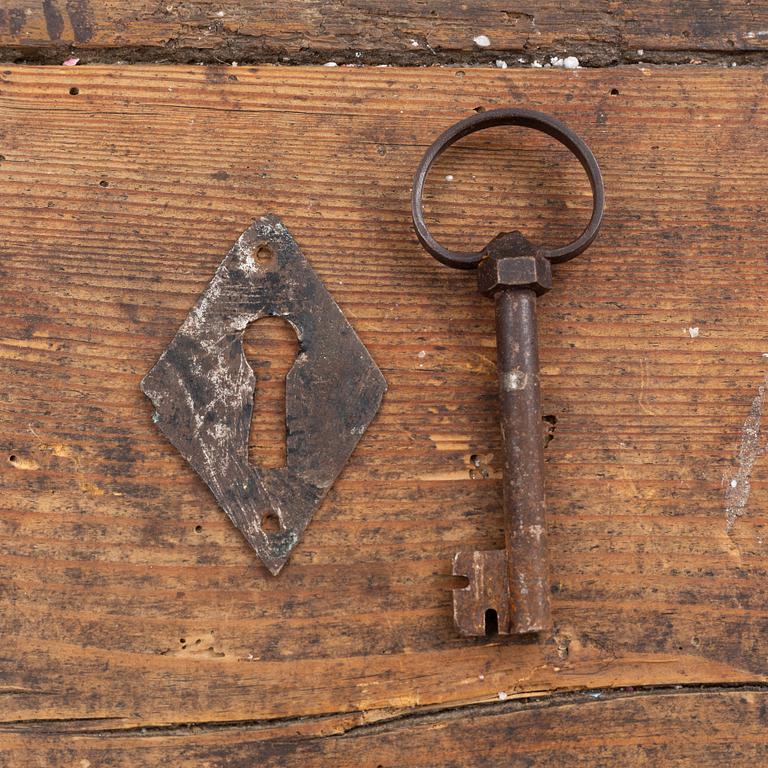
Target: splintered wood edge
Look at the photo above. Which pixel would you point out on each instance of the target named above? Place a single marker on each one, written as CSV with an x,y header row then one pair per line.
x,y
293,32
601,727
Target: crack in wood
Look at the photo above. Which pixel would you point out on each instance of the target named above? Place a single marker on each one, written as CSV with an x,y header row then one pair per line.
x,y
252,54
378,721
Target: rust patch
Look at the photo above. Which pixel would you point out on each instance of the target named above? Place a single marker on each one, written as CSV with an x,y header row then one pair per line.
x,y
203,390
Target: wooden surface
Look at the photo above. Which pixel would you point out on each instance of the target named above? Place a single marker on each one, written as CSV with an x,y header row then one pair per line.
x,y
372,31
667,729
128,601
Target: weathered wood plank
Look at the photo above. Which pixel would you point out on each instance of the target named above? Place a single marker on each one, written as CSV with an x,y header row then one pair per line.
x,y
126,595
380,32
674,730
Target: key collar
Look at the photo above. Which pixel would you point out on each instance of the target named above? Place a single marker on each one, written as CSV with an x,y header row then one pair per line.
x,y
525,118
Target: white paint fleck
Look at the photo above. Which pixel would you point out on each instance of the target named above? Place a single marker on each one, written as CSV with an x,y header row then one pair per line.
x,y
693,332
569,62
513,380
481,41
481,677
501,64
414,43
330,64
421,355
502,695
751,449
449,177
536,530
220,14
536,64
640,51
248,263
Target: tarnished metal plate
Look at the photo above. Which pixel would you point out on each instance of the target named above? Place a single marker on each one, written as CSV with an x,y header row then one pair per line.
x,y
488,589
203,388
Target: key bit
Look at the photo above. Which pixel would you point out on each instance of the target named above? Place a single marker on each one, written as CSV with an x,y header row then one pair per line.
x,y
512,582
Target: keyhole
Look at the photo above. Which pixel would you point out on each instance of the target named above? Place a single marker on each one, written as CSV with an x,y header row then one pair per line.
x,y
270,346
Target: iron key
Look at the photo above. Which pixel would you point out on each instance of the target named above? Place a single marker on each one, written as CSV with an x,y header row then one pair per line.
x,y
513,582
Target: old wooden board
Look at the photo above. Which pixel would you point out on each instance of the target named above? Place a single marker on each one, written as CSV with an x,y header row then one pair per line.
x,y
372,31
127,598
670,729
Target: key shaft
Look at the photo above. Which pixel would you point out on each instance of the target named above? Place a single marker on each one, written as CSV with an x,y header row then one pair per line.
x,y
521,429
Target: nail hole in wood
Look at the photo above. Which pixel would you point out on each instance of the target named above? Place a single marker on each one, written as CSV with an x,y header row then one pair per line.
x,y
550,422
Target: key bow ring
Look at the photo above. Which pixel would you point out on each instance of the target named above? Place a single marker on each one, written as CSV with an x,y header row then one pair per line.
x,y
525,118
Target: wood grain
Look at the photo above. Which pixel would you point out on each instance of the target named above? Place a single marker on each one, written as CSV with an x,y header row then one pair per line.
x,y
670,729
372,31
126,597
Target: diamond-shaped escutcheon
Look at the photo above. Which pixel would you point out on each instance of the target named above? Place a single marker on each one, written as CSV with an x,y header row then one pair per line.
x,y
203,390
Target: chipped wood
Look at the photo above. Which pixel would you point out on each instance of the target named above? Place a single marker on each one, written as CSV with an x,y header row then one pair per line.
x,y
376,32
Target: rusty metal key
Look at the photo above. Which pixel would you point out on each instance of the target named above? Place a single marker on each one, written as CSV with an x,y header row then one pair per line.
x,y
512,582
